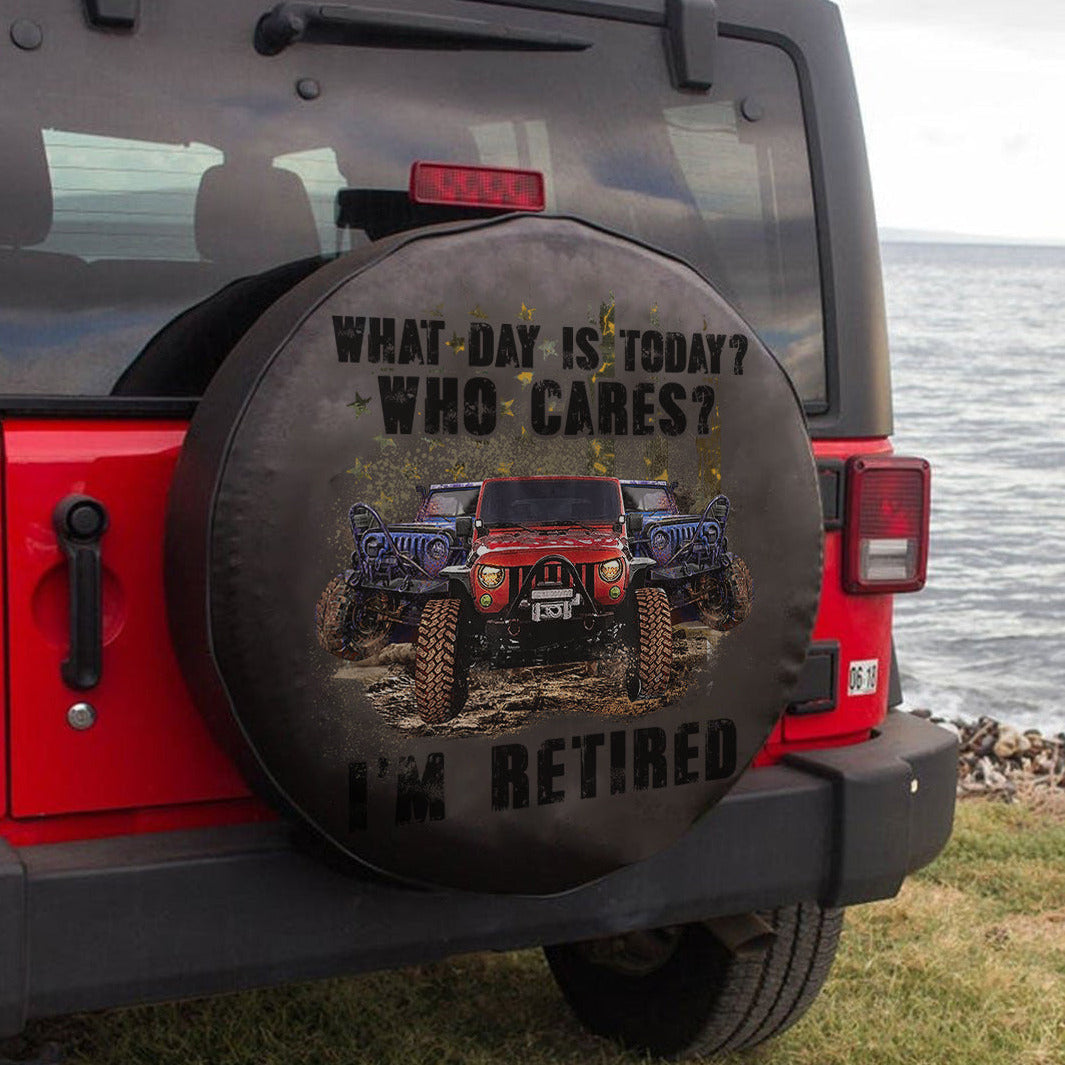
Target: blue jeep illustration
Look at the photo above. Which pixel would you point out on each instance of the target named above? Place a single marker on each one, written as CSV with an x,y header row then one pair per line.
x,y
693,564
394,571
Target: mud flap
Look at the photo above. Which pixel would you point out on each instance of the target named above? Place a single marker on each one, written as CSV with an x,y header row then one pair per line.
x,y
496,352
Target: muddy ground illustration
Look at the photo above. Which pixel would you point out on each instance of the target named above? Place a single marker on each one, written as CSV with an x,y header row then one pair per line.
x,y
504,700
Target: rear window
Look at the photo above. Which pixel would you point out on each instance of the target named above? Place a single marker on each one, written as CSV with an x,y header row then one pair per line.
x,y
127,199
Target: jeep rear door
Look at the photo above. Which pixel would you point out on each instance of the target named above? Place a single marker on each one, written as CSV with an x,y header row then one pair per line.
x,y
150,167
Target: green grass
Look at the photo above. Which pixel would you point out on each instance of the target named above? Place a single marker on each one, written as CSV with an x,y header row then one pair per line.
x,y
967,966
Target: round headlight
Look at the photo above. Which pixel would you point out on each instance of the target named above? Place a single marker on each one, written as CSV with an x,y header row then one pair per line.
x,y
660,546
610,570
437,549
491,576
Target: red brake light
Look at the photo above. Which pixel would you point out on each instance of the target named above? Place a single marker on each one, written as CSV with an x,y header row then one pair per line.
x,y
886,533
477,186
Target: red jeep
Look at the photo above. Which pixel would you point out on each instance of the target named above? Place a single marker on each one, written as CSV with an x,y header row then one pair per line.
x,y
550,578
182,183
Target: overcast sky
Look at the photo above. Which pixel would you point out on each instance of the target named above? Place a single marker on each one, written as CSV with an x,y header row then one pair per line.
x,y
964,110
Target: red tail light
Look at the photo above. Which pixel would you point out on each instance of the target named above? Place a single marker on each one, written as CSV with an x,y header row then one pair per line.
x,y
886,533
477,186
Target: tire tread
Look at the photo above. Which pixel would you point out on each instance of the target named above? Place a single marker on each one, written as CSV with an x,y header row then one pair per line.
x,y
654,641
437,665
705,1001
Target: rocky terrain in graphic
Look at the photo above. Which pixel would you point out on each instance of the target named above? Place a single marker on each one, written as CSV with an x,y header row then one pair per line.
x,y
504,700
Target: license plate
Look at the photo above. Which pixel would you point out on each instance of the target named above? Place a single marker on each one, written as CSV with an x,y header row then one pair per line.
x,y
557,611
552,593
862,677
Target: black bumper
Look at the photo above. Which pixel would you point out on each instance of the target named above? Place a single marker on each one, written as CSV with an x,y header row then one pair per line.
x,y
141,918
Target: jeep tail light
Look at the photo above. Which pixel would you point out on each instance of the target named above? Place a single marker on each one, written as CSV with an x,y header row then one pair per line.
x,y
886,532
497,187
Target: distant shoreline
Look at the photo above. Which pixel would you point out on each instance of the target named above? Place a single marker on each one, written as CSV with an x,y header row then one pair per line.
x,y
920,236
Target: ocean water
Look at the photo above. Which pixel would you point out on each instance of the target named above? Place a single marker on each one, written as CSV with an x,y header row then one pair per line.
x,y
978,358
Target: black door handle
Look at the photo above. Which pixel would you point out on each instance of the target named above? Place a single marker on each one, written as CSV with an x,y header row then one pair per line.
x,y
80,522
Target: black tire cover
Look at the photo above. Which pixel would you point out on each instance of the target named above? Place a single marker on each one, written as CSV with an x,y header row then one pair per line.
x,y
550,777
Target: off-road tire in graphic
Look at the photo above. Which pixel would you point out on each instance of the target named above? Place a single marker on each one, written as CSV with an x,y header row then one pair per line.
x,y
734,605
702,999
332,615
440,683
652,652
333,624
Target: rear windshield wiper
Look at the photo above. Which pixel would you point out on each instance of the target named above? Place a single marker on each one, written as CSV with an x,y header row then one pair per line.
x,y
385,28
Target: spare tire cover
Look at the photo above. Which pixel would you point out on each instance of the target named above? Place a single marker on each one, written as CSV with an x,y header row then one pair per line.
x,y
587,732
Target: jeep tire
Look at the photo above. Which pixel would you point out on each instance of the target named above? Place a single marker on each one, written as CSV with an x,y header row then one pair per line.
x,y
440,680
333,623
267,464
700,998
652,651
734,603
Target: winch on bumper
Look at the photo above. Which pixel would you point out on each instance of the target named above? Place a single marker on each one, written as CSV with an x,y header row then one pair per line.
x,y
551,604
539,599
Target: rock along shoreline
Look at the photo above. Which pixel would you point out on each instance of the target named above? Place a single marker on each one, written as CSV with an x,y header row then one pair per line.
x,y
999,759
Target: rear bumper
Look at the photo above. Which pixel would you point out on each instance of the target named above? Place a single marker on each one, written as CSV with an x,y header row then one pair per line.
x,y
140,918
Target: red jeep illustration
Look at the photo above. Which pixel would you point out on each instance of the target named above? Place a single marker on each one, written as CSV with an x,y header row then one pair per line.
x,y
550,577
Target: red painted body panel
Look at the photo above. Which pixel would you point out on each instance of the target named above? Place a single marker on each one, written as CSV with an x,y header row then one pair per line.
x,y
149,746
149,763
64,828
3,630
861,624
508,549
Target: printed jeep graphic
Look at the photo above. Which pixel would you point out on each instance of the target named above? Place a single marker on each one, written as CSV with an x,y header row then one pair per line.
x,y
550,578
548,570
395,570
693,565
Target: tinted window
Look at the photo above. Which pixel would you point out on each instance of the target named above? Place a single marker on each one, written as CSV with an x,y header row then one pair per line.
x,y
119,198
554,499
452,503
127,199
641,497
